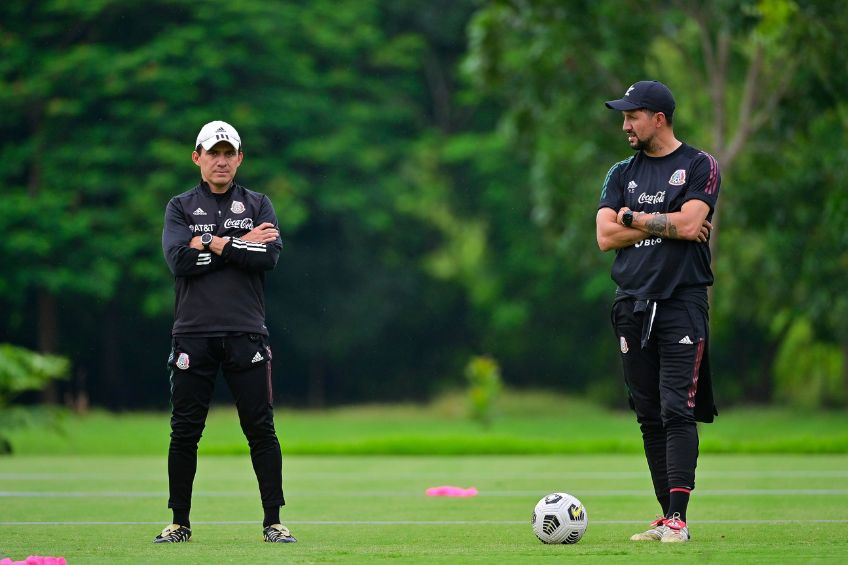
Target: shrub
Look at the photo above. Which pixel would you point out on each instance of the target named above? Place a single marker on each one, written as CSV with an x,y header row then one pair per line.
x,y
484,380
24,370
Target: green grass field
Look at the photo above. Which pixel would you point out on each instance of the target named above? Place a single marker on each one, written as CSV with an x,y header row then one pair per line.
x,y
364,509
98,493
525,423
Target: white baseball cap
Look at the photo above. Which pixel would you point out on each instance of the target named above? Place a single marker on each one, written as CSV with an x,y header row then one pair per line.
x,y
217,131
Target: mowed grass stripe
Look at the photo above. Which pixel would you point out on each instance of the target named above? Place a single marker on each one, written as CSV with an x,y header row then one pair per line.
x,y
407,493
412,522
541,474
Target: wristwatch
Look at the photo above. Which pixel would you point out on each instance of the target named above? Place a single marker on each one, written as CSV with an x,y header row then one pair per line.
x,y
627,218
206,240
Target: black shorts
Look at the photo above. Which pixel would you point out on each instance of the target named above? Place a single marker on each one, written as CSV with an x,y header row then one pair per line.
x,y
668,377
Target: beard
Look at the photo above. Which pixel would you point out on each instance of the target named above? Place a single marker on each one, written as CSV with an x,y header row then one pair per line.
x,y
639,144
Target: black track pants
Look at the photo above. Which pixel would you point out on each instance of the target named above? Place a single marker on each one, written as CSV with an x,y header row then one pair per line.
x,y
245,361
662,381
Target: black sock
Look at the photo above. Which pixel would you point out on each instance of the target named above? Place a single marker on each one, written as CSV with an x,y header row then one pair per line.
x,y
181,516
678,501
272,516
664,502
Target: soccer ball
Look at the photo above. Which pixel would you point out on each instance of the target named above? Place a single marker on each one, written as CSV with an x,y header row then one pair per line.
x,y
559,518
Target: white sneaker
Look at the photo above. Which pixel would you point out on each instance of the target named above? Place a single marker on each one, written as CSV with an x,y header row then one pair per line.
x,y
655,533
675,530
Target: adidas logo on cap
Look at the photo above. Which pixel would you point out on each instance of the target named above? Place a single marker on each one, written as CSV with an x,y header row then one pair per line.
x,y
218,131
257,358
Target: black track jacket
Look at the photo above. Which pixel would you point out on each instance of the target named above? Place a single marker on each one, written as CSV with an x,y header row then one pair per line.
x,y
219,295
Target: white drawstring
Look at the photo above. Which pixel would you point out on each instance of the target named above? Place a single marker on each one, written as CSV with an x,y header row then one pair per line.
x,y
646,333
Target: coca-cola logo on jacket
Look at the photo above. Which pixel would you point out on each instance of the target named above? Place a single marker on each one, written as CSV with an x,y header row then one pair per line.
x,y
243,224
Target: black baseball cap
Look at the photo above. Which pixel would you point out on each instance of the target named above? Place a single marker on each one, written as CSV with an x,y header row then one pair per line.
x,y
650,94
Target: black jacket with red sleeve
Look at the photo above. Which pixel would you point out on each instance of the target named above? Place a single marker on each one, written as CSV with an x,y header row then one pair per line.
x,y
219,295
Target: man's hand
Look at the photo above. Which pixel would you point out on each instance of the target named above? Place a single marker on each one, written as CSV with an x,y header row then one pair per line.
x,y
620,215
704,234
263,233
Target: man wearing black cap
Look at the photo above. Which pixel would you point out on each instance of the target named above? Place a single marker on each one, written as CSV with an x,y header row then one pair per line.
x,y
219,239
654,211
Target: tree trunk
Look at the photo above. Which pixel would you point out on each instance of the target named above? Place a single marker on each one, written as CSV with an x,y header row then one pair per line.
x,y
110,359
763,389
48,330
440,91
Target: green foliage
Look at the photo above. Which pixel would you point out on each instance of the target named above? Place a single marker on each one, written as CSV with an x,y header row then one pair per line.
x,y
435,168
809,373
103,102
746,91
484,387
22,370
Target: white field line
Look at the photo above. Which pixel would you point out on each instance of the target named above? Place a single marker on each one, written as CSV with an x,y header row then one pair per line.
x,y
412,522
373,493
474,475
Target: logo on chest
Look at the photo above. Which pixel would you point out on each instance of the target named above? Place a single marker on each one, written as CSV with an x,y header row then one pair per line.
x,y
237,207
243,224
678,178
657,198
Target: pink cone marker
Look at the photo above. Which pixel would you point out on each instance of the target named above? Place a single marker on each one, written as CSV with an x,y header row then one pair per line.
x,y
451,491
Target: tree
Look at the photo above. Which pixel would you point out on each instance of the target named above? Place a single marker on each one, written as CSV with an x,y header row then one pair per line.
x,y
101,119
730,65
435,168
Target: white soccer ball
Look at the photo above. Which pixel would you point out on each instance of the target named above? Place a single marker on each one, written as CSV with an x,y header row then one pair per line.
x,y
559,518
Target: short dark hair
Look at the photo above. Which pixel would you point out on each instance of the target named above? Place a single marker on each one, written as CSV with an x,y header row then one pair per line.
x,y
668,119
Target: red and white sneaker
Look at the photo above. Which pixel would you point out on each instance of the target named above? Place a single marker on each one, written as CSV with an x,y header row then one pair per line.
x,y
675,530
654,533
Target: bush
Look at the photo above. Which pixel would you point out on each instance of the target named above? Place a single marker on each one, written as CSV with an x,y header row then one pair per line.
x,y
24,370
484,380
808,372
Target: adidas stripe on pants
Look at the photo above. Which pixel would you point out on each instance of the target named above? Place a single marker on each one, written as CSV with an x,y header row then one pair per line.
x,y
245,361
662,381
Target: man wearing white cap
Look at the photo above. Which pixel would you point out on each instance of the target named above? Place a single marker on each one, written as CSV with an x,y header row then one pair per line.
x,y
219,239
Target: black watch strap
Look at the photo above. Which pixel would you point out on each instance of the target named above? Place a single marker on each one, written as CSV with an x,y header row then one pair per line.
x,y
627,218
